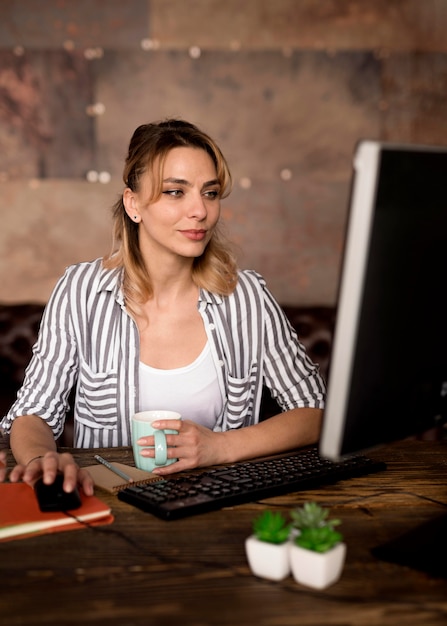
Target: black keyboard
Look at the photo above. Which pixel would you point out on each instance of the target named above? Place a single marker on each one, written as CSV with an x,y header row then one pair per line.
x,y
228,485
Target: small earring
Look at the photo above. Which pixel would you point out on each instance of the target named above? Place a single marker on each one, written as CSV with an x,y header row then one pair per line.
x,y
135,217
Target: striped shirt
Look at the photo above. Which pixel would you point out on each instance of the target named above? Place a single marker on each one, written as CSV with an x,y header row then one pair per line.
x,y
88,339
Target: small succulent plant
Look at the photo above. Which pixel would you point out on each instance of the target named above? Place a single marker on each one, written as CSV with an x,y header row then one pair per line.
x,y
311,515
319,539
316,531
271,527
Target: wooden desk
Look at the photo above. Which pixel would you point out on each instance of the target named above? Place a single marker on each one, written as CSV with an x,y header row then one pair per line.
x,y
141,570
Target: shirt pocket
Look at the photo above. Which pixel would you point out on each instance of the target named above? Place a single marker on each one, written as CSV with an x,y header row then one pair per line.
x,y
241,397
96,401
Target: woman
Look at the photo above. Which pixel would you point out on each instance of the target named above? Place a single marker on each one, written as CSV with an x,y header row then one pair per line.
x,y
2,465
166,322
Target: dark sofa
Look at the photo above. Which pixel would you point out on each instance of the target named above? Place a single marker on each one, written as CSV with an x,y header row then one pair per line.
x,y
19,324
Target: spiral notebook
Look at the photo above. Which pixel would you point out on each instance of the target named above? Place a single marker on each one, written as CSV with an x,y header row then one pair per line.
x,y
108,480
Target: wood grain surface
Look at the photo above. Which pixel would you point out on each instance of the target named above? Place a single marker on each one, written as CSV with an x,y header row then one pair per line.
x,y
142,570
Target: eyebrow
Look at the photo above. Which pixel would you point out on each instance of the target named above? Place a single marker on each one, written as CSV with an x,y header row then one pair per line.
x,y
182,181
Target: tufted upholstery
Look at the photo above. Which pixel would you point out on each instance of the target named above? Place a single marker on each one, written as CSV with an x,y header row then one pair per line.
x,y
19,324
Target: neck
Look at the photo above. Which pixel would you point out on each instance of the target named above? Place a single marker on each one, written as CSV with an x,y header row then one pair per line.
x,y
172,282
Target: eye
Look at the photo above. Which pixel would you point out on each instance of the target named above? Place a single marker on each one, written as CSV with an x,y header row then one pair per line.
x,y
175,193
212,194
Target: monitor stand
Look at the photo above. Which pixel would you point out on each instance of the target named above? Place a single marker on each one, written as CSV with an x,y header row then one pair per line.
x,y
423,548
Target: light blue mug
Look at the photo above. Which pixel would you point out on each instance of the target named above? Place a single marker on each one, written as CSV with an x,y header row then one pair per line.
x,y
142,427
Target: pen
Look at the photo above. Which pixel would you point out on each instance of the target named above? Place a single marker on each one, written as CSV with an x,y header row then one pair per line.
x,y
113,469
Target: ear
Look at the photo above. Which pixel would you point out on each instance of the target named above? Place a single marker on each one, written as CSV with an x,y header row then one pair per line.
x,y
131,205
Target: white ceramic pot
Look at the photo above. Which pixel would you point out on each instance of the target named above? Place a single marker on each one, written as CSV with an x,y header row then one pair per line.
x,y
267,560
316,569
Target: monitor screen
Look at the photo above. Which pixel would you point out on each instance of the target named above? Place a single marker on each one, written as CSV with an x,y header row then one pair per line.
x,y
388,369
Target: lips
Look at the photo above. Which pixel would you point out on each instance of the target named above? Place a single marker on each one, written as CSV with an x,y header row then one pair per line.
x,y
194,235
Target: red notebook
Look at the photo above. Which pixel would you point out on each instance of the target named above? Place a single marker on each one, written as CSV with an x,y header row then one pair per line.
x,y
21,517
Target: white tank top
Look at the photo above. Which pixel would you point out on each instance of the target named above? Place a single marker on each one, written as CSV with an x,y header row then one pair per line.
x,y
193,391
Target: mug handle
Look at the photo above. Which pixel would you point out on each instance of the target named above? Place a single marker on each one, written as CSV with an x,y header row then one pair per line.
x,y
161,450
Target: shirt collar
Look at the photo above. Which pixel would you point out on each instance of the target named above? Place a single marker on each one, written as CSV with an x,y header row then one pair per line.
x,y
112,280
209,298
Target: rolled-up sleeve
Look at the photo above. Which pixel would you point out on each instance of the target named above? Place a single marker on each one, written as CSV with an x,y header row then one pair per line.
x,y
292,377
52,370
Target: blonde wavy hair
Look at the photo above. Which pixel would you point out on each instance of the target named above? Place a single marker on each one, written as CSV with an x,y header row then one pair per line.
x,y
216,269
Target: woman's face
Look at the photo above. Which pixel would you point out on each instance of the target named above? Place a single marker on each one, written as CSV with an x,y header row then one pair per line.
x,y
181,222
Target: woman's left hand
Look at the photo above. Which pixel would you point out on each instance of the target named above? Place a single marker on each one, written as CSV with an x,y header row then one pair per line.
x,y
193,446
197,446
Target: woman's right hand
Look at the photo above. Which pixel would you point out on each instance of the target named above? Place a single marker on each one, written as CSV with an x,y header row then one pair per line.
x,y
48,465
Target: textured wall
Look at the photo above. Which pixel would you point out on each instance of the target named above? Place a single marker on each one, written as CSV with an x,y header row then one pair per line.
x,y
286,86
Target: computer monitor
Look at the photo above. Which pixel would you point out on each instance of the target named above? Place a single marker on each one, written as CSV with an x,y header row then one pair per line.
x,y
388,368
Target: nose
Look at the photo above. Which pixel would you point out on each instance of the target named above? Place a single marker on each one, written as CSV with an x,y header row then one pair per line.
x,y
197,208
